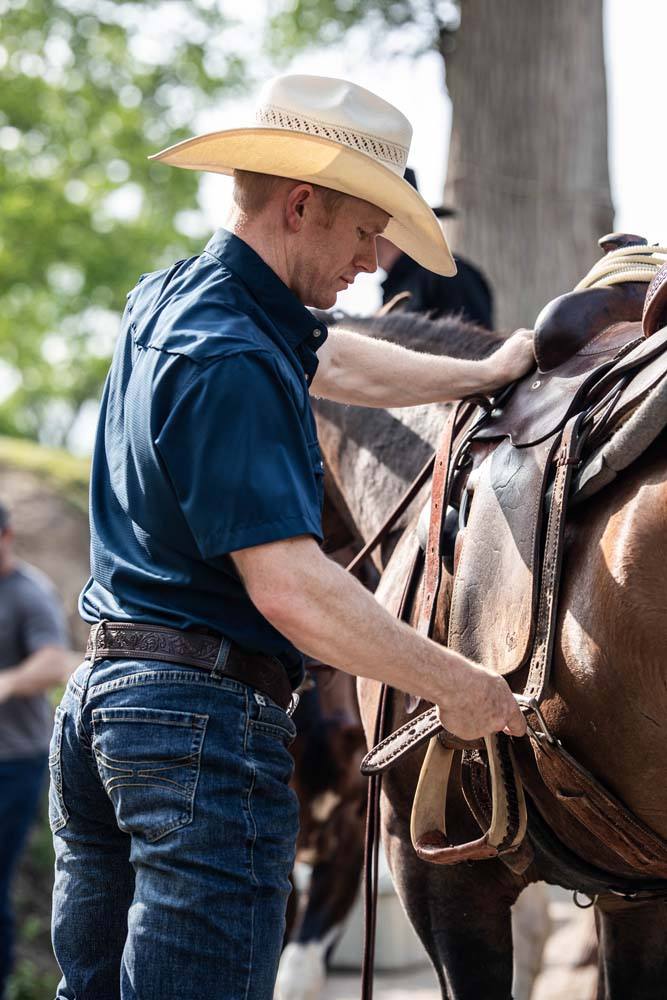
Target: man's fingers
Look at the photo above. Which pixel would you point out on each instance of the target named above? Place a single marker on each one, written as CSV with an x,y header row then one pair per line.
x,y
515,729
516,725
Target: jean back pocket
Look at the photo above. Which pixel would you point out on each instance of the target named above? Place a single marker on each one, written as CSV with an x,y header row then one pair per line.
x,y
149,761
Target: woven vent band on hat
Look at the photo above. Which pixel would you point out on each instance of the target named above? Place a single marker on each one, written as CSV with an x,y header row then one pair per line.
x,y
394,155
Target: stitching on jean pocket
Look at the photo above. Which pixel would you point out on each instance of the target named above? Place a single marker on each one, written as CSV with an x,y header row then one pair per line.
x,y
153,792
58,814
271,730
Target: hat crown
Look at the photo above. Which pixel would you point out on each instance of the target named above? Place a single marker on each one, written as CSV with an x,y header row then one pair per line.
x,y
339,111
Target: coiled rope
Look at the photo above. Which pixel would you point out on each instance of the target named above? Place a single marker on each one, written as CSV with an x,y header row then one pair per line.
x,y
633,263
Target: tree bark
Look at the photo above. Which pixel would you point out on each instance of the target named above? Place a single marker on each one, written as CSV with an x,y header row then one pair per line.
x,y
528,167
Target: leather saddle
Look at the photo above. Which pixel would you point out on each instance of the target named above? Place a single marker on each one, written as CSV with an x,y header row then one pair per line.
x,y
504,477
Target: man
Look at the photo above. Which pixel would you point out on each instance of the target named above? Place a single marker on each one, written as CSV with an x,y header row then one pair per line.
x,y
33,658
207,586
467,294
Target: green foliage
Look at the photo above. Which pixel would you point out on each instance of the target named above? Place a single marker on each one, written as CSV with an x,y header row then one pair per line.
x,y
413,25
28,982
88,89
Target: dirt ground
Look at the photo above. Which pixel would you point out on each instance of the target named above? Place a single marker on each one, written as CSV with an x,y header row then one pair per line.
x,y
557,981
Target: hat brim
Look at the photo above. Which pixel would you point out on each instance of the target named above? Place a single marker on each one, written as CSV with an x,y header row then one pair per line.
x,y
413,227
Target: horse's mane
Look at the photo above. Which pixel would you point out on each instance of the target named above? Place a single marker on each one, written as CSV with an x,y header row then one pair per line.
x,y
449,335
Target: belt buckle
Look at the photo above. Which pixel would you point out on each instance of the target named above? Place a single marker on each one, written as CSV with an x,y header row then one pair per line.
x,y
293,703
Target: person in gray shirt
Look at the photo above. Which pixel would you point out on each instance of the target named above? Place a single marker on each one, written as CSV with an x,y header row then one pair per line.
x,y
33,658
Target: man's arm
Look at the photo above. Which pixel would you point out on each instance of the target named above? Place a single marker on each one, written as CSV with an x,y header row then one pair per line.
x,y
328,615
44,669
368,372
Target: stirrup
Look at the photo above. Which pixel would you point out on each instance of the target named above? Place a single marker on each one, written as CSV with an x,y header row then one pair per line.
x,y
428,828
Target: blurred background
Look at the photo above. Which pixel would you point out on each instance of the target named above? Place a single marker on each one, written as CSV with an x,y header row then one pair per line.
x,y
539,123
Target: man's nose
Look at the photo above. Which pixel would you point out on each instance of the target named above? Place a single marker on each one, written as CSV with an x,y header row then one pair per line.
x,y
367,259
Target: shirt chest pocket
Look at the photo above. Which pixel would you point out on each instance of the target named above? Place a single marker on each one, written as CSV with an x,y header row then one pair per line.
x,y
317,466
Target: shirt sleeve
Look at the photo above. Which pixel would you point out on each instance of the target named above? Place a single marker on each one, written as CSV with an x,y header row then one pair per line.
x,y
237,452
42,620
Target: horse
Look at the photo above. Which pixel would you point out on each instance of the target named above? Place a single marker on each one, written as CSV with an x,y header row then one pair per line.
x,y
607,706
370,457
330,741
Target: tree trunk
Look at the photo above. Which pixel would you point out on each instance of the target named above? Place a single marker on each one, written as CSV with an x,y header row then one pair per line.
x,y
528,155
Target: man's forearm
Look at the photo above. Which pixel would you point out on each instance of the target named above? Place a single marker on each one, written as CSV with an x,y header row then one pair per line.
x,y
334,619
327,614
45,669
368,372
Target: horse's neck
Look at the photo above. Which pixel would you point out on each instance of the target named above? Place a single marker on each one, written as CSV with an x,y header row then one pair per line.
x,y
373,455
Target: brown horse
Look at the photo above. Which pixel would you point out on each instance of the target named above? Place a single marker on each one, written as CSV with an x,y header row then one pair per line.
x,y
609,710
371,456
330,741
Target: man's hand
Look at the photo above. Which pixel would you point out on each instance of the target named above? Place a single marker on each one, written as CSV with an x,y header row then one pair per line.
x,y
482,704
6,685
48,667
511,361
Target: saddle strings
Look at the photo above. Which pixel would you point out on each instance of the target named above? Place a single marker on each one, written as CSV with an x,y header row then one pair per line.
x,y
632,263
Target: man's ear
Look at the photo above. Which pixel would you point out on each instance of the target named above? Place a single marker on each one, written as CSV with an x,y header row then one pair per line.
x,y
299,201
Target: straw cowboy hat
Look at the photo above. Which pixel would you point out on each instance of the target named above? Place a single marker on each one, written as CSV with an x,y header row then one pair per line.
x,y
336,134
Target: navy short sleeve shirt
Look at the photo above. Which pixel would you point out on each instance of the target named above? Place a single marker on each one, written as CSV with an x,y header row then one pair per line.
x,y
206,444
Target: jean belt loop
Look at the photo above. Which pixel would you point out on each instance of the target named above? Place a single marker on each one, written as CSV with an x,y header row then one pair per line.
x,y
222,657
98,640
95,631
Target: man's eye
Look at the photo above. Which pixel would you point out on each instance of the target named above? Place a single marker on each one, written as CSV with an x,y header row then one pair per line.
x,y
361,233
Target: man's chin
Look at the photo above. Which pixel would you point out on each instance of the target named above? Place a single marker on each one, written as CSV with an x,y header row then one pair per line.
x,y
324,300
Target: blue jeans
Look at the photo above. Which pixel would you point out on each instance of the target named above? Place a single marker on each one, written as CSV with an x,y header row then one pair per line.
x,y
174,831
21,783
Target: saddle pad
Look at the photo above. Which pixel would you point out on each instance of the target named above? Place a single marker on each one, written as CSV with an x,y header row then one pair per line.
x,y
542,402
630,440
496,580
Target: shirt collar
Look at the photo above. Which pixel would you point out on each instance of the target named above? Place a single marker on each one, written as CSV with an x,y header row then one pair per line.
x,y
296,324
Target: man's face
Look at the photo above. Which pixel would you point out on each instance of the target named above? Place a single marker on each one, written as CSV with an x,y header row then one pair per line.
x,y
332,251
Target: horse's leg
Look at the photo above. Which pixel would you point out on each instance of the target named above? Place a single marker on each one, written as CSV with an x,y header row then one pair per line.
x,y
333,890
462,916
632,955
462,913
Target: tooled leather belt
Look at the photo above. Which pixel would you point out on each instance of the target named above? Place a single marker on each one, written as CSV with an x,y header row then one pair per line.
x,y
131,640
